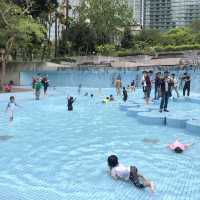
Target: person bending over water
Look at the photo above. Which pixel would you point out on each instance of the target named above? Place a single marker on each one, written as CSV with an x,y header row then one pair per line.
x,y
11,107
179,147
119,171
70,101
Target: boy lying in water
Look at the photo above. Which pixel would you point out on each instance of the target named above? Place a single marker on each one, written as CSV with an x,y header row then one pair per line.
x,y
119,171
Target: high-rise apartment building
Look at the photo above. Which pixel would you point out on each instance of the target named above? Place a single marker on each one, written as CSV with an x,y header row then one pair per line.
x,y
138,10
165,14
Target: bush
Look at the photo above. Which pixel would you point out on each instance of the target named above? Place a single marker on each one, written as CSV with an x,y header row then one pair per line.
x,y
177,48
106,50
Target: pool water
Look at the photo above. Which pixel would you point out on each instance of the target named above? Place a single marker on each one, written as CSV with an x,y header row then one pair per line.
x,y
56,154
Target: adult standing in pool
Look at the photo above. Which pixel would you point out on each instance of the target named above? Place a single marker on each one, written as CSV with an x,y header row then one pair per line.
x,y
175,84
157,86
165,88
147,87
118,85
186,87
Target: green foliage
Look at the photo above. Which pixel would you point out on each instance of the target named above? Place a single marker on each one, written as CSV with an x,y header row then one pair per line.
x,y
19,31
177,36
127,40
177,48
107,49
107,18
148,37
82,38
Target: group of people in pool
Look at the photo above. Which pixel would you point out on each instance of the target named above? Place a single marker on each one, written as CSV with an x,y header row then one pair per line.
x,y
37,83
121,172
164,84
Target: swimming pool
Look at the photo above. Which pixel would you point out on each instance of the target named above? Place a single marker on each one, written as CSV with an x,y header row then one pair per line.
x,y
55,154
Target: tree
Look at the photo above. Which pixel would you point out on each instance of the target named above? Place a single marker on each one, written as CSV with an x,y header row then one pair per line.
x,y
127,40
82,37
148,37
195,26
178,36
19,32
107,17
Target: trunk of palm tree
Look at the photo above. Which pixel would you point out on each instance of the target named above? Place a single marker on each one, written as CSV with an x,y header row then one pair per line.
x,y
56,34
3,65
67,13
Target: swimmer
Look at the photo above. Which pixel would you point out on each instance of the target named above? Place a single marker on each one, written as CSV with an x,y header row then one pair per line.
x,y
70,101
111,98
119,171
179,147
91,95
10,108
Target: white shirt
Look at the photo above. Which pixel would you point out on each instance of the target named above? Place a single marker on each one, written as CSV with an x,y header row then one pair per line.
x,y
175,82
166,85
121,172
143,81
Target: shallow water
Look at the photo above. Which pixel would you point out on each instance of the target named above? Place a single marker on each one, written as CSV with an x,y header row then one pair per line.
x,y
56,154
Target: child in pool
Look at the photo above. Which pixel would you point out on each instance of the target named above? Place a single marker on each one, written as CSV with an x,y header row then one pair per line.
x,y
79,88
106,100
70,101
125,94
178,147
10,108
119,171
111,98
